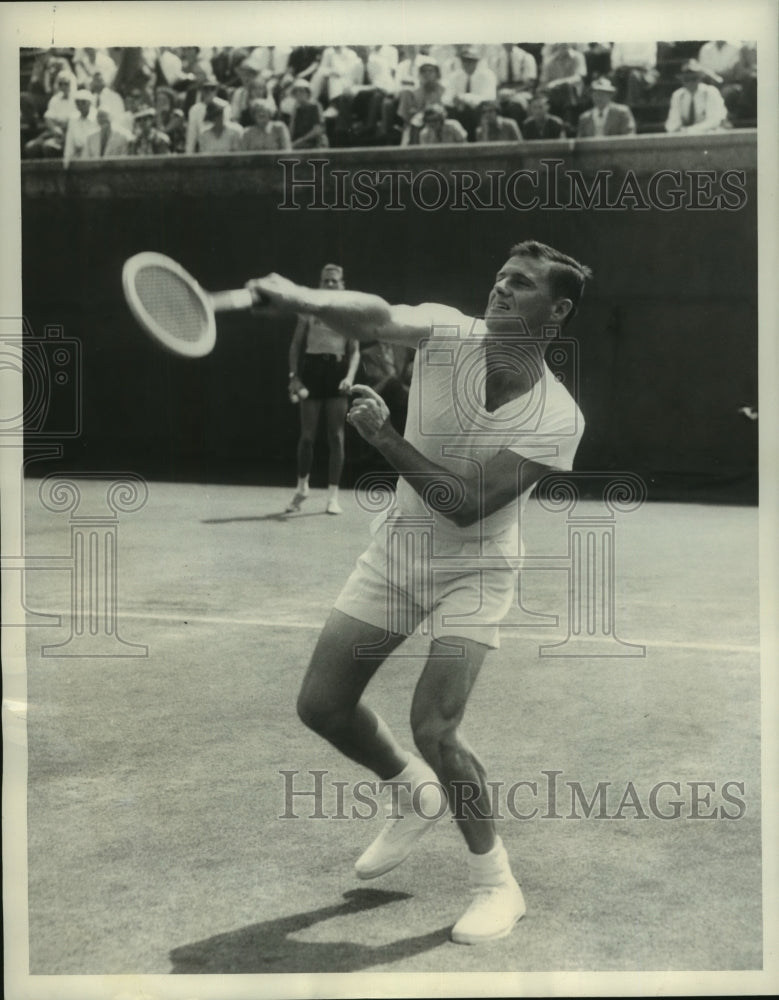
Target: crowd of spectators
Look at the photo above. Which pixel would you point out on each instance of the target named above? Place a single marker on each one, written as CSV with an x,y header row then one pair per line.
x,y
91,103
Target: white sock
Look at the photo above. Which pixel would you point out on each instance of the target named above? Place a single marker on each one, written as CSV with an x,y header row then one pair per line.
x,y
492,868
332,492
303,484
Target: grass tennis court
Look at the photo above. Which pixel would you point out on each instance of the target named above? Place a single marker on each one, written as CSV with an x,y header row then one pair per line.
x,y
155,843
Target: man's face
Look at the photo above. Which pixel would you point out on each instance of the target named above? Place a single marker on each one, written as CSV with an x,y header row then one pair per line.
x,y
261,115
104,120
63,86
469,65
521,293
690,81
83,107
489,114
331,279
539,107
601,99
97,83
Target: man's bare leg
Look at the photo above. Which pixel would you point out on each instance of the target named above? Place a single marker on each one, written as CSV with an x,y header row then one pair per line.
x,y
437,710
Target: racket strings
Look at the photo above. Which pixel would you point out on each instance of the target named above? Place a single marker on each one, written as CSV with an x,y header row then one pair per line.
x,y
171,303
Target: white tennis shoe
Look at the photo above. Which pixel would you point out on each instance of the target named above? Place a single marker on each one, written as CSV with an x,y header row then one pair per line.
x,y
333,507
403,828
493,913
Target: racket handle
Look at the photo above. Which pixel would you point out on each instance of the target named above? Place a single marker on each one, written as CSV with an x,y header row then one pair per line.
x,y
239,298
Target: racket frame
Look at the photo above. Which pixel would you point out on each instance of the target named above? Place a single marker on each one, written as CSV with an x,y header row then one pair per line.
x,y
189,349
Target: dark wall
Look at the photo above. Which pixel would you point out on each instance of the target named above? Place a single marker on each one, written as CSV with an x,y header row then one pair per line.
x,y
667,333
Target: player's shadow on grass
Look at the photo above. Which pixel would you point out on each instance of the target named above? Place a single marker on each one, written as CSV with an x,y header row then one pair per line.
x,y
268,947
280,516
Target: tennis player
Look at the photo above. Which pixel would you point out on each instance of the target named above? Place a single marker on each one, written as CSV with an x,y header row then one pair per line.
x,y
486,420
324,363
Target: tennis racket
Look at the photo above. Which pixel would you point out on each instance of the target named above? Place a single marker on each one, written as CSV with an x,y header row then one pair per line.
x,y
171,306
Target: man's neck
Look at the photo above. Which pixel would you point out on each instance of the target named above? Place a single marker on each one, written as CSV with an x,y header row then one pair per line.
x,y
504,384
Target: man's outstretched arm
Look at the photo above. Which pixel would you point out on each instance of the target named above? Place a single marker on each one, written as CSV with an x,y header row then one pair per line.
x,y
499,481
358,315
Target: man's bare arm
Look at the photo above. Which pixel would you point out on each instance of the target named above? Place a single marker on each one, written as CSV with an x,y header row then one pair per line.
x,y
499,482
358,315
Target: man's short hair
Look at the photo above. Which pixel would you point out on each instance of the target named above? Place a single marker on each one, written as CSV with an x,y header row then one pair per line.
x,y
566,275
332,267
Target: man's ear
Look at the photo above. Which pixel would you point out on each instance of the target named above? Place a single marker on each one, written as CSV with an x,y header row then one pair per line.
x,y
561,309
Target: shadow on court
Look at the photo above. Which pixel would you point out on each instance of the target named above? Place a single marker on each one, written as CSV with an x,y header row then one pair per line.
x,y
268,946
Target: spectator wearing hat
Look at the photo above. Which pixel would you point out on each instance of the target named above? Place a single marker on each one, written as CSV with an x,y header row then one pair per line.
x,y
169,118
467,87
307,122
493,128
696,107
265,134
147,139
605,118
563,71
438,129
109,140
60,109
196,119
539,124
80,127
218,135
412,103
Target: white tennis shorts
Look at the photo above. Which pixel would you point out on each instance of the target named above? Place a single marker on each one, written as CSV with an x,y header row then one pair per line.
x,y
409,579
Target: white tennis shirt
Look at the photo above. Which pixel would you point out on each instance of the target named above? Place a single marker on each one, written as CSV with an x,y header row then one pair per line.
x,y
449,424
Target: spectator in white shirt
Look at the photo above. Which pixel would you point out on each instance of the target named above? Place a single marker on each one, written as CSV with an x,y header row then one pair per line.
x,y
61,108
515,70
87,62
104,97
695,107
339,69
719,59
197,114
466,88
634,67
724,64
80,127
